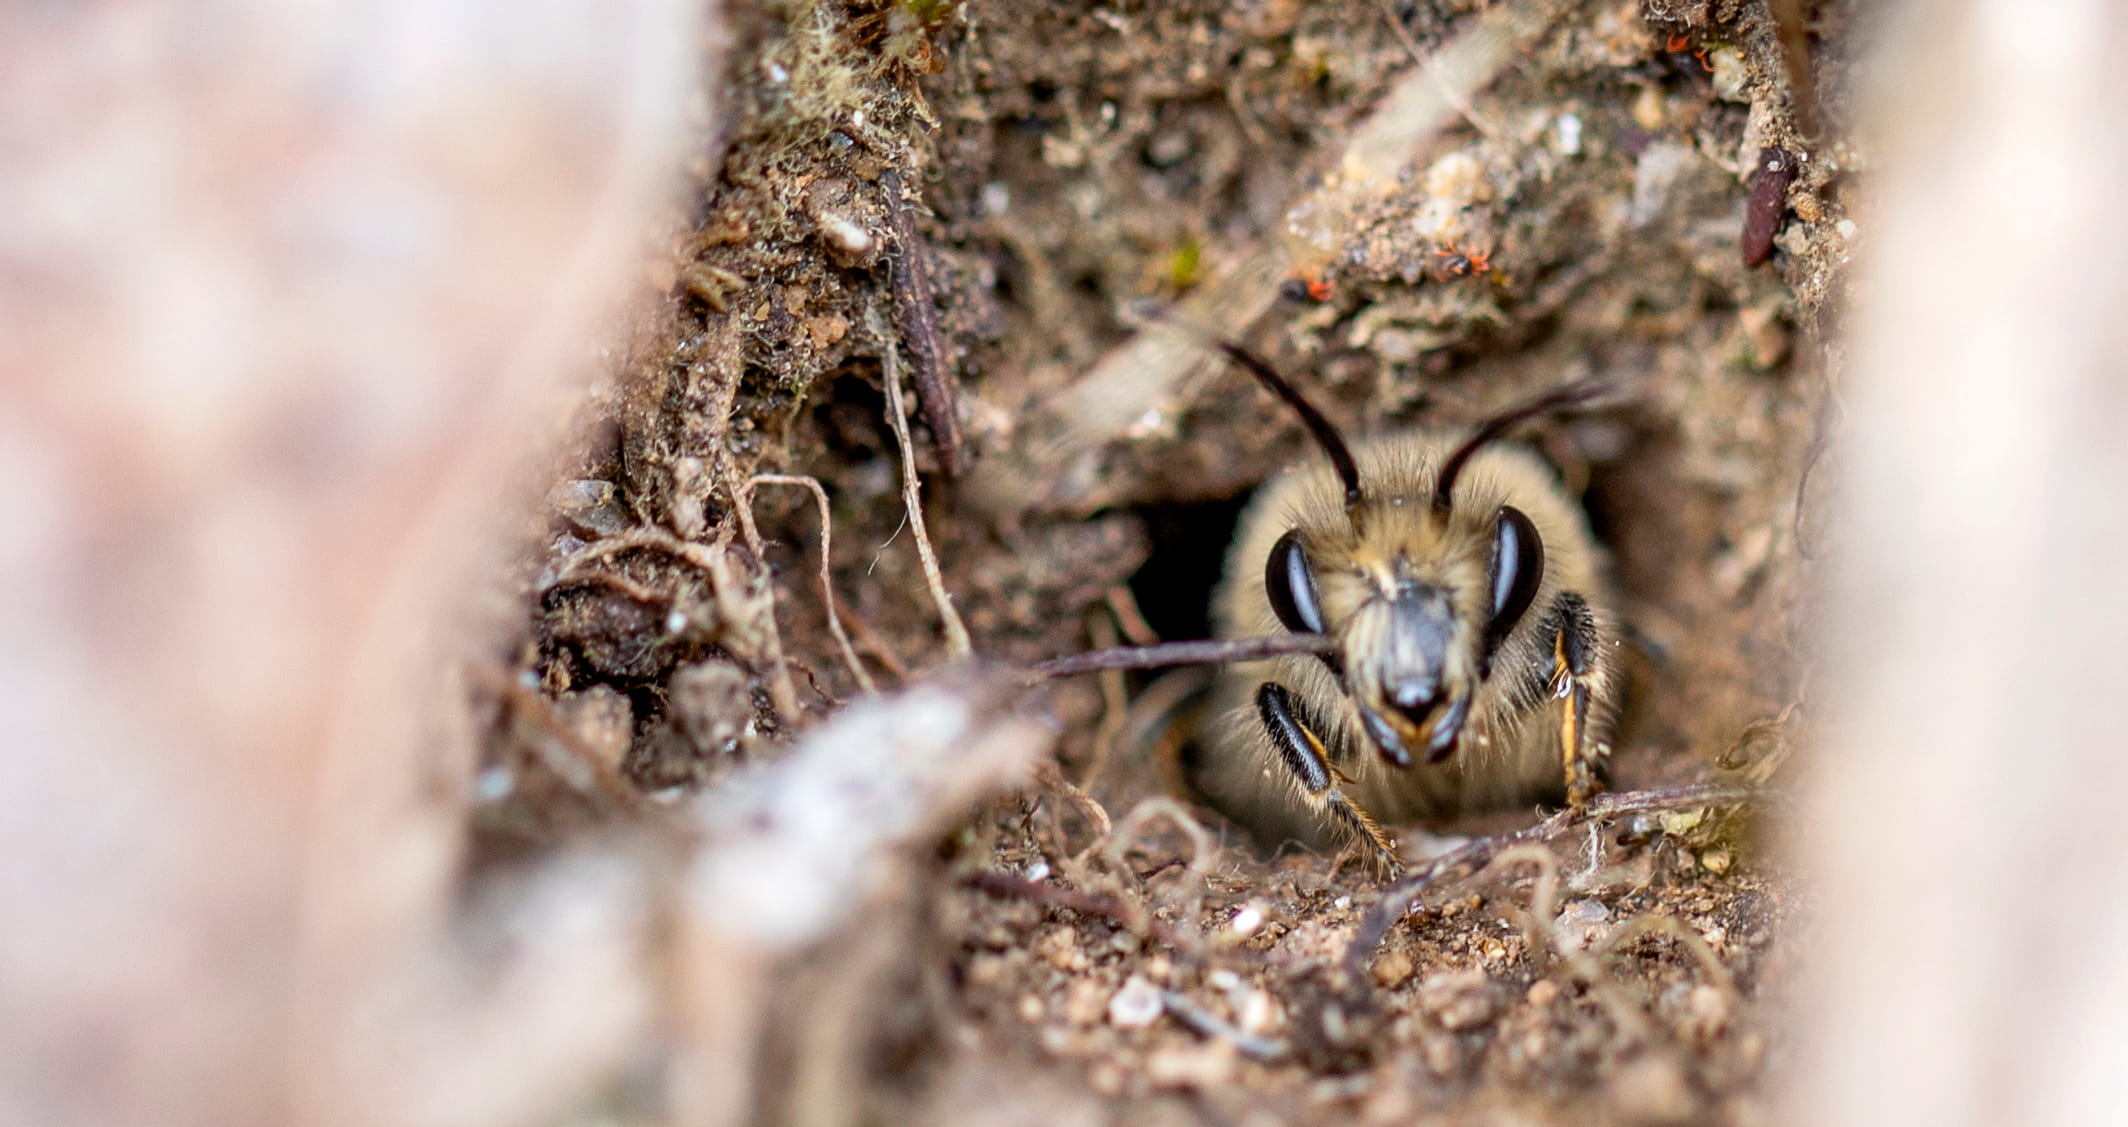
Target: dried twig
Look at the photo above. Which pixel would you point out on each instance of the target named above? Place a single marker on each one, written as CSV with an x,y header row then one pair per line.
x,y
916,317
1204,1024
1396,899
957,642
827,583
1212,652
1794,31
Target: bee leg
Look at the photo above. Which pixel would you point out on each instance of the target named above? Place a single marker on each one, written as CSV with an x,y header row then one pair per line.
x,y
1574,675
1320,784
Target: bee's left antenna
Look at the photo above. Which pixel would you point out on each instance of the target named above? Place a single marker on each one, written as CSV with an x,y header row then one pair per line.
x,y
1326,436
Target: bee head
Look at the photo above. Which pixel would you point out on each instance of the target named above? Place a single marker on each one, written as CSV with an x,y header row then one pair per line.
x,y
1417,602
1418,592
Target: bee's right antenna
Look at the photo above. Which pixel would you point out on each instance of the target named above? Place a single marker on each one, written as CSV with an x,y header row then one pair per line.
x,y
1326,436
1489,431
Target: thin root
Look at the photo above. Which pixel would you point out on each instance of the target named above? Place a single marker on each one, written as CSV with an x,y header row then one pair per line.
x,y
782,689
957,642
1672,928
1115,707
1398,898
827,583
869,637
1131,620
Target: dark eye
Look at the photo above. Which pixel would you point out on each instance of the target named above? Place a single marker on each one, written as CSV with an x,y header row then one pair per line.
x,y
1291,587
1518,567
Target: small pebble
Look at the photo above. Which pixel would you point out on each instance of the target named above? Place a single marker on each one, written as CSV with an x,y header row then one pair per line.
x,y
1649,110
1198,1067
495,783
846,237
1084,1001
1577,922
1135,1006
1459,1000
1059,947
1443,1054
1168,149
1569,131
1653,1089
1706,1015
986,970
1392,970
1731,79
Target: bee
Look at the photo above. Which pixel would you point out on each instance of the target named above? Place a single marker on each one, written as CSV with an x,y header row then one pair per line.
x,y
1476,661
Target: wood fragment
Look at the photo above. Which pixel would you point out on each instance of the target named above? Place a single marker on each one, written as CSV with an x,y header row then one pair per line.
x,y
916,319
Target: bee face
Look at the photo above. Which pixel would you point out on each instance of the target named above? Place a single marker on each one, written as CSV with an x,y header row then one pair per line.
x,y
1418,601
1474,664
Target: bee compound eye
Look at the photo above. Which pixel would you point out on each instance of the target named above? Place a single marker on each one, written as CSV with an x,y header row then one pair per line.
x,y
1290,585
1518,567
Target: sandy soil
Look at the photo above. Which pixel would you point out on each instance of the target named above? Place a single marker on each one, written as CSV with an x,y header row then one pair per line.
x,y
1057,162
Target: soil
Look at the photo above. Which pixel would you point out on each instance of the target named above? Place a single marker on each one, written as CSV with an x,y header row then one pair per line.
x,y
1057,162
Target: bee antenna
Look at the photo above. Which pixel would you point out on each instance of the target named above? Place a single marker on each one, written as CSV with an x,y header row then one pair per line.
x,y
1572,395
1326,436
